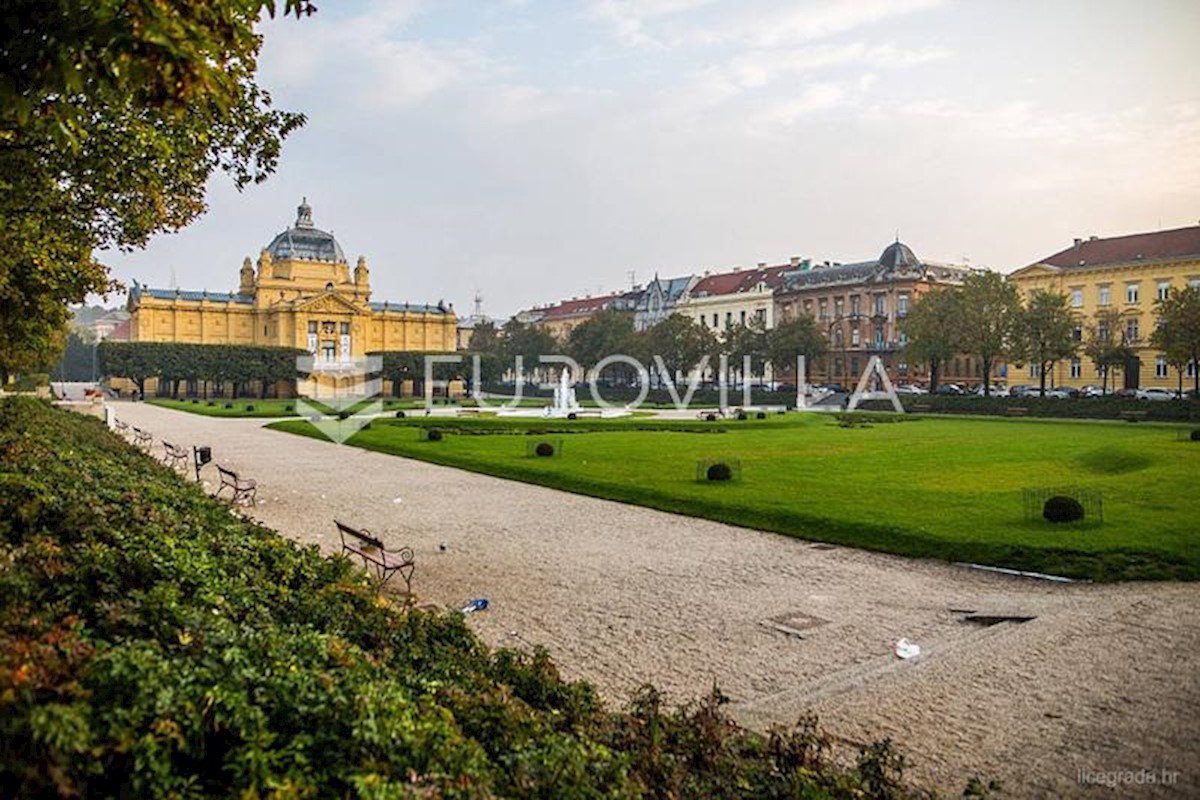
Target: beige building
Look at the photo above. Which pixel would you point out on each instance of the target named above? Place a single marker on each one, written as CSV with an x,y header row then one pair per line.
x,y
301,293
1126,274
727,299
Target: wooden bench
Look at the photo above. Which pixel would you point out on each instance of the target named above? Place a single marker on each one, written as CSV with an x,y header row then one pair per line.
x,y
1133,416
242,488
143,439
174,457
121,427
368,547
1016,411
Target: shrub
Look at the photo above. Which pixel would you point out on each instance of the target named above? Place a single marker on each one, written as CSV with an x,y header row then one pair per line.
x,y
195,401
345,413
1196,435
711,417
544,449
229,405
1062,509
400,414
719,472
761,415
434,435
289,407
741,415
572,415
249,409
212,402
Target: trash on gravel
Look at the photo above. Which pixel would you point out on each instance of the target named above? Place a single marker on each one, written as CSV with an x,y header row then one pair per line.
x,y
398,500
475,605
906,649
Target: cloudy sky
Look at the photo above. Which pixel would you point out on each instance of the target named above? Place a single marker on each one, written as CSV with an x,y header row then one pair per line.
x,y
542,149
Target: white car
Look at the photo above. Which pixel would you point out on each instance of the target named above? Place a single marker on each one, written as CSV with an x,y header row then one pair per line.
x,y
909,388
1155,394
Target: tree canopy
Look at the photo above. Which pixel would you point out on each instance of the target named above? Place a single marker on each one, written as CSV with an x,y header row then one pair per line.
x,y
1178,331
1044,332
987,314
113,117
932,330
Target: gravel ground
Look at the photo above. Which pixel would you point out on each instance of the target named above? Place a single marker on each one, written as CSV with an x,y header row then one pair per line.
x,y
1103,680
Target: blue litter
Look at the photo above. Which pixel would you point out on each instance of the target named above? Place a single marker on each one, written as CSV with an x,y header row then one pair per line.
x,y
475,605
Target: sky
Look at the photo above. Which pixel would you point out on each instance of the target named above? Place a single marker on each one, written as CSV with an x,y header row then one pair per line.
x,y
535,150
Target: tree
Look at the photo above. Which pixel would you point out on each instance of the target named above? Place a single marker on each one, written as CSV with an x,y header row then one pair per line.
x,y
987,312
799,336
527,341
78,361
681,343
1178,331
1044,332
932,330
1105,345
486,338
609,332
113,116
746,341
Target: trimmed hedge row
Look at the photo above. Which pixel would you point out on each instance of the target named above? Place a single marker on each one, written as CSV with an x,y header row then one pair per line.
x,y
154,644
1080,408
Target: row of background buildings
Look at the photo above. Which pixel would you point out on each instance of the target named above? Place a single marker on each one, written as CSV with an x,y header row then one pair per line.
x,y
301,292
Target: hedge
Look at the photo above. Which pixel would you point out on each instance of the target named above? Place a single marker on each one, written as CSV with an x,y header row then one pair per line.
x,y
1185,410
178,361
154,644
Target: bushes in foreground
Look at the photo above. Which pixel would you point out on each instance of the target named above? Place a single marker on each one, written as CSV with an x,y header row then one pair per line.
x,y
153,644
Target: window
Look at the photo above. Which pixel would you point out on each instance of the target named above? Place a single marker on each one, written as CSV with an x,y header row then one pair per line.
x,y
903,338
1160,367
327,351
344,328
1102,332
716,322
1164,287
1191,369
1131,330
1131,293
728,320
312,327
1076,368
1105,295
902,305
823,305
1033,370
703,321
1077,334
855,306
880,305
878,340
1077,297
743,316
1194,283
839,307
855,339
760,316
839,339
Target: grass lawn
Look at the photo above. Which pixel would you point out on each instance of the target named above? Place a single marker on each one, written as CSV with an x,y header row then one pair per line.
x,y
929,487
264,408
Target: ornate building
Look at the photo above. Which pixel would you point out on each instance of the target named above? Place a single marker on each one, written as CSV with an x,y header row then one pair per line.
x,y
1125,275
301,293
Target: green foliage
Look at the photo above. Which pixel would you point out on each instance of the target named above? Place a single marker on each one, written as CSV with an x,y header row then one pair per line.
x,y
177,361
606,333
988,310
1062,509
1178,330
1105,344
113,117
544,449
719,472
1195,435
799,336
152,644
932,330
433,435
1043,332
680,342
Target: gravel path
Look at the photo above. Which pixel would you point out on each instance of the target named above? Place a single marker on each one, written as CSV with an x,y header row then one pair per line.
x,y
1103,679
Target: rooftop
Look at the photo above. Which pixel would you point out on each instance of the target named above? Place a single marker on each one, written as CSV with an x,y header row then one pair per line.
x,y
1178,243
305,242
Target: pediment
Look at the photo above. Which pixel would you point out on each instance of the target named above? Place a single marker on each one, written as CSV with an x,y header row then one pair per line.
x,y
327,303
1035,271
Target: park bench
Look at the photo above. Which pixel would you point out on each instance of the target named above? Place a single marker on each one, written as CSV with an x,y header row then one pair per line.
x,y
1016,411
175,457
121,427
143,439
368,547
242,488
1133,416
920,407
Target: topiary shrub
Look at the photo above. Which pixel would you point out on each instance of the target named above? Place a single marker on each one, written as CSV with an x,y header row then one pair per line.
x,y
1196,435
195,402
719,472
1062,509
289,407
711,417
741,415
761,415
401,414
212,402
249,409
572,415
229,405
434,435
544,449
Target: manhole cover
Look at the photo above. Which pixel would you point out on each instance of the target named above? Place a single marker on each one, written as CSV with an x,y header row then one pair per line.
x,y
796,623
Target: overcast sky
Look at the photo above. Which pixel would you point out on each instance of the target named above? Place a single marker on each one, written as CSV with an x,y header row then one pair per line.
x,y
542,149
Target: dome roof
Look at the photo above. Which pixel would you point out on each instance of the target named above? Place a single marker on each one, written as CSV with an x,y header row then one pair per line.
x,y
304,242
898,256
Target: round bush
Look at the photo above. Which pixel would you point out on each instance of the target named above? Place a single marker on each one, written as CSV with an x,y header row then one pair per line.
x,y
400,414
572,415
1062,509
212,402
229,405
544,449
345,413
289,407
1196,435
719,472
195,402
711,417
761,415
249,409
741,415
434,435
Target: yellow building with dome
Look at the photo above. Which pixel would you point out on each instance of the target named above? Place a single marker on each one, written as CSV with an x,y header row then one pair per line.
x,y
301,293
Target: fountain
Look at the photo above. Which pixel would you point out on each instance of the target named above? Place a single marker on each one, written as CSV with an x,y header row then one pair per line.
x,y
564,397
565,404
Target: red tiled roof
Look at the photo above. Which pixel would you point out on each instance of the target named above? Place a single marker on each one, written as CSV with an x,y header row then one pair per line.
x,y
1154,246
739,281
121,331
586,305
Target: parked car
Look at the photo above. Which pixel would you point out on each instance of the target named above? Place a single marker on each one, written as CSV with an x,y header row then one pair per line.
x,y
1155,394
949,389
910,388
1022,390
997,391
1057,393
1126,394
1091,390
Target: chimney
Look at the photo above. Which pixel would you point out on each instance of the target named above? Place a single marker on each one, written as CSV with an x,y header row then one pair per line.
x,y
795,261
1078,242
762,265
1093,238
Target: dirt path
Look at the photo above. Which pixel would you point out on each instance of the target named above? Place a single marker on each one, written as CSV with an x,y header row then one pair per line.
x,y
1104,679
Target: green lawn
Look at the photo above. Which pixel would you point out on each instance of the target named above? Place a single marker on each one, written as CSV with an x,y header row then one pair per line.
x,y
928,487
264,408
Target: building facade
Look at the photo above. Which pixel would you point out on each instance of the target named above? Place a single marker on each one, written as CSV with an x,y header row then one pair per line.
x,y
861,306
1122,274
301,293
659,300
724,300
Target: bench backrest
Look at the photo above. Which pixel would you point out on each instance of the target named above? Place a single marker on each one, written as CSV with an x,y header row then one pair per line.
x,y
364,537
227,473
